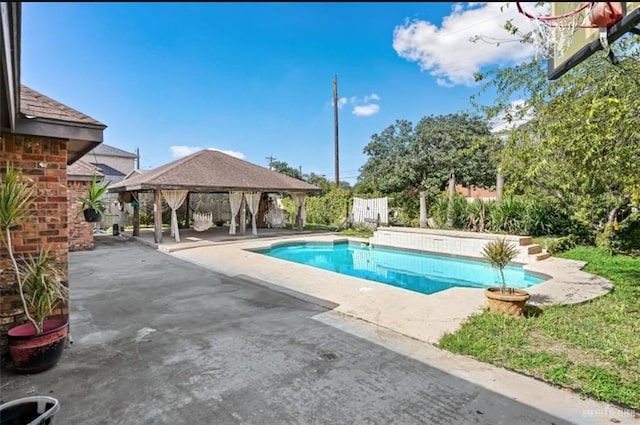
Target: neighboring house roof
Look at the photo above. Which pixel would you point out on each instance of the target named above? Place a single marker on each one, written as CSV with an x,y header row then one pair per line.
x,y
213,171
134,173
476,192
83,171
110,174
108,150
35,104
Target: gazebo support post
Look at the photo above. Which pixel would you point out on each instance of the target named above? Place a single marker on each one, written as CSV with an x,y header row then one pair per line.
x,y
186,210
243,217
157,215
136,216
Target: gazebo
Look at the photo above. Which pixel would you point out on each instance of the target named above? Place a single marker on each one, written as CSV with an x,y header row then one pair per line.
x,y
211,171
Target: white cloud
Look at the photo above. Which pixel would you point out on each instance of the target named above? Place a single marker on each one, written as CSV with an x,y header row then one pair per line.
x,y
182,151
371,97
447,53
237,154
363,107
518,114
366,110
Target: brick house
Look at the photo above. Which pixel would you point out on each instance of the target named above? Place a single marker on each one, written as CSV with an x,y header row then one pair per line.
x,y
41,137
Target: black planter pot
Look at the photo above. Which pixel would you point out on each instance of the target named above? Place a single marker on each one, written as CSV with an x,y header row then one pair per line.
x,y
92,216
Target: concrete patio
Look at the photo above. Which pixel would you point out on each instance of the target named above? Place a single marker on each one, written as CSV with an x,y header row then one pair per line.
x,y
159,340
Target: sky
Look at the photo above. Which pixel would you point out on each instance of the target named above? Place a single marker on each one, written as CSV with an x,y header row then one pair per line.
x,y
255,80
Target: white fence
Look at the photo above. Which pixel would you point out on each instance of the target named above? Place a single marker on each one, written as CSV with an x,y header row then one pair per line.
x,y
370,210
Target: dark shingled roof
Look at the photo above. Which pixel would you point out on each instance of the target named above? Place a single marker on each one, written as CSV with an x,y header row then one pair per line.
x,y
35,104
107,150
110,174
213,171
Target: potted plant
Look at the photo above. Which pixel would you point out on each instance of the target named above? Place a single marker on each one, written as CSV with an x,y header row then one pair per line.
x,y
504,299
92,205
36,345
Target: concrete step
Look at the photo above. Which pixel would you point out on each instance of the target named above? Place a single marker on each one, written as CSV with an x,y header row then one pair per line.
x,y
539,256
525,240
534,249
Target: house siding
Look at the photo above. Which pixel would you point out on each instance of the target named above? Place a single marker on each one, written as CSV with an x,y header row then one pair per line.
x,y
44,161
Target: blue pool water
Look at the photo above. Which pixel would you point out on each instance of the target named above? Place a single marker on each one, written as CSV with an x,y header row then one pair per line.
x,y
419,272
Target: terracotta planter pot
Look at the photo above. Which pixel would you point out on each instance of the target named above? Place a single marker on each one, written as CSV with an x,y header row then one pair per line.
x,y
92,216
31,353
510,303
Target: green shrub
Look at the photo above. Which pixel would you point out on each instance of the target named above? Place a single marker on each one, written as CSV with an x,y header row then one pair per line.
x,y
329,209
561,244
537,219
507,216
629,233
477,215
607,240
440,208
624,239
438,211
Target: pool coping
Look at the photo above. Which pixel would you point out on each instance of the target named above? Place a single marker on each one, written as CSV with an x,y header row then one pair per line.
x,y
419,316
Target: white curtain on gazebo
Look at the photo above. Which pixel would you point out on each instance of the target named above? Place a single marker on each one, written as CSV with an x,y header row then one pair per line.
x,y
235,200
253,200
299,198
174,199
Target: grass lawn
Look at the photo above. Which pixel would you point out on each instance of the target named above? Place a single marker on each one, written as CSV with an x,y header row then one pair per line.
x,y
593,347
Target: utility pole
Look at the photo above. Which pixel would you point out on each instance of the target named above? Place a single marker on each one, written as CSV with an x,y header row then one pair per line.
x,y
335,128
137,158
271,159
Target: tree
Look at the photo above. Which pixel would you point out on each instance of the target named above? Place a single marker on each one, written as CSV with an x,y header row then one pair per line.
x,y
421,160
452,145
284,168
320,181
583,144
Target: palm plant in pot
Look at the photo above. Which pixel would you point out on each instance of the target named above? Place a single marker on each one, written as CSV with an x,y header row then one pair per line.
x,y
37,344
92,205
504,299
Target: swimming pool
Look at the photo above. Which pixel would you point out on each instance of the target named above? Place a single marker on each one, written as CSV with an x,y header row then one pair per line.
x,y
420,272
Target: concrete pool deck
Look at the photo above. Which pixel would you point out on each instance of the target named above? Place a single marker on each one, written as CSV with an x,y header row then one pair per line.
x,y
422,317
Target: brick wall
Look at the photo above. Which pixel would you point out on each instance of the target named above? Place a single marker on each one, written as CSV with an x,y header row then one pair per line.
x,y
80,231
44,161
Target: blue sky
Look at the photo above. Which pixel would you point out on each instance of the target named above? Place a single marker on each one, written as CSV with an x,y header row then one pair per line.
x,y
256,79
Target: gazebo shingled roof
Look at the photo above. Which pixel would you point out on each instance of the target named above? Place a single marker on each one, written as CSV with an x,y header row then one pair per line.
x,y
213,171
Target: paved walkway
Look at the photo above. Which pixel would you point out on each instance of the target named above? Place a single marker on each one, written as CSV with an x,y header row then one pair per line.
x,y
160,341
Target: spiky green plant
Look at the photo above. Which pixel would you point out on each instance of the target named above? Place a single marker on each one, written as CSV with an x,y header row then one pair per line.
x,y
498,253
93,200
43,288
16,198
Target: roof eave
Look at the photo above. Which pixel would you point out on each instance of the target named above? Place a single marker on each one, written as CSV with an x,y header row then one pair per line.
x,y
59,129
88,135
